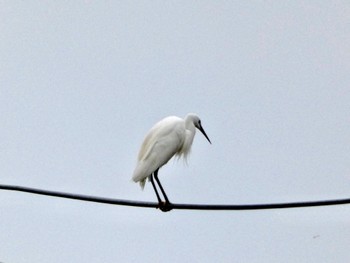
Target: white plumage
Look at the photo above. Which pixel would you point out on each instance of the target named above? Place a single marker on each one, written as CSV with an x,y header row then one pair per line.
x,y
170,136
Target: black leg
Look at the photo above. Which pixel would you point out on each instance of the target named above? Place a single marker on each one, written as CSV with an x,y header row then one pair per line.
x,y
155,189
160,186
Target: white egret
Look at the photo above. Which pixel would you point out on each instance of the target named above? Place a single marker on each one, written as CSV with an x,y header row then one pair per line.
x,y
170,136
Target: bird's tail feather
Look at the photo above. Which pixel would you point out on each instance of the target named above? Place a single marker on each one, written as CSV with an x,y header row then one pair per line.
x,y
142,183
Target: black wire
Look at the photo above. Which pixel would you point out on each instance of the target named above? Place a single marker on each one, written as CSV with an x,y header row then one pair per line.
x,y
171,206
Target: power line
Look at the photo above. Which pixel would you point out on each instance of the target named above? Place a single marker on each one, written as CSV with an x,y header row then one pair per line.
x,y
171,206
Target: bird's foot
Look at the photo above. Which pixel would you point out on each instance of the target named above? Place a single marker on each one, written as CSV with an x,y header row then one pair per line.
x,y
165,206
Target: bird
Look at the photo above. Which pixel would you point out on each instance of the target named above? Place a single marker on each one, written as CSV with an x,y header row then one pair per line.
x,y
171,136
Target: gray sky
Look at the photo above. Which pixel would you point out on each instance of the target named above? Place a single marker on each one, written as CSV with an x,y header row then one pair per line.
x,y
81,83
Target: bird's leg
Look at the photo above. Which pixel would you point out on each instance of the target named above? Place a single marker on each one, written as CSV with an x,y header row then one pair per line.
x,y
155,189
167,206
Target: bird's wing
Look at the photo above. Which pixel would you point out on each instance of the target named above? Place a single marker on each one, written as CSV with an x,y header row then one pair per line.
x,y
169,130
159,146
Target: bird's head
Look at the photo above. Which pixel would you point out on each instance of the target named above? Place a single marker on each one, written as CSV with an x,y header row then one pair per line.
x,y
198,124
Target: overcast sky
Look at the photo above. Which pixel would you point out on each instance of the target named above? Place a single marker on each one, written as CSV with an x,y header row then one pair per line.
x,y
81,83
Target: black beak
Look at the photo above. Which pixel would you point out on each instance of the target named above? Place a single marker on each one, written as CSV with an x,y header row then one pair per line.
x,y
202,131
